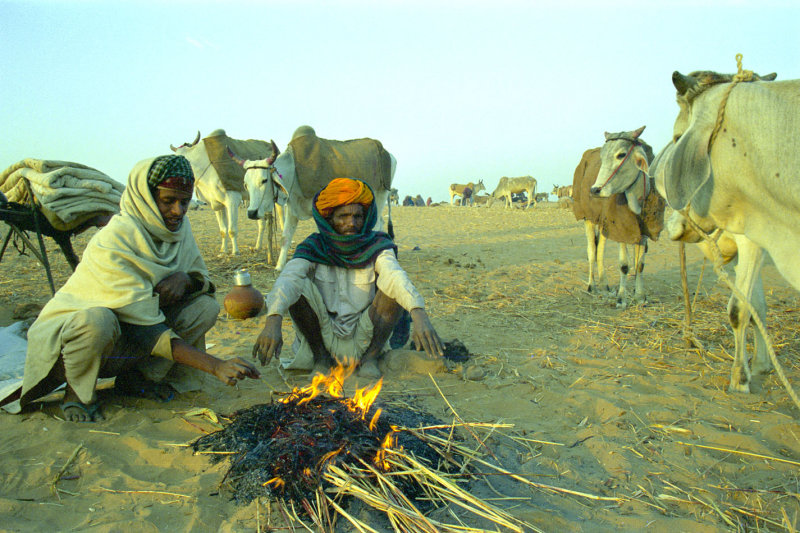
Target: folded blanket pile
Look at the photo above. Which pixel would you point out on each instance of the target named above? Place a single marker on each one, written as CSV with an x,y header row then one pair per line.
x,y
67,193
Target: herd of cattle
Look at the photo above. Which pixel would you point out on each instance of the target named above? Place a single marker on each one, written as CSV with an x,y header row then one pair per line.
x,y
731,169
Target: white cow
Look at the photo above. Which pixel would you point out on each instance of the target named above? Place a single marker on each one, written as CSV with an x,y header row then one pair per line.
x,y
744,179
733,164
224,196
267,179
508,186
750,258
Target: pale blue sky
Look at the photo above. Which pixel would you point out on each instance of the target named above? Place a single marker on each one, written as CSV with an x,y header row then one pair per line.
x,y
456,90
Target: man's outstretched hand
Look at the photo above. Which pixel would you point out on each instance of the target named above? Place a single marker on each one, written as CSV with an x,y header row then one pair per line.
x,y
424,335
232,370
269,341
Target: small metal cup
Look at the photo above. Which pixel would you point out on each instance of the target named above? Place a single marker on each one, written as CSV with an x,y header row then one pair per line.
x,y
241,278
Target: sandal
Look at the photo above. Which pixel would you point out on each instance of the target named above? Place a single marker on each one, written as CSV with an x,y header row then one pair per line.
x,y
91,411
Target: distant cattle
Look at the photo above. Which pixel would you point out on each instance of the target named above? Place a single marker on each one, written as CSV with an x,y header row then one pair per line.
x,y
219,181
541,197
394,197
508,186
307,165
481,199
611,216
457,189
562,192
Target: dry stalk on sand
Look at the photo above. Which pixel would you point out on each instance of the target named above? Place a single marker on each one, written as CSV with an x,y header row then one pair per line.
x,y
57,478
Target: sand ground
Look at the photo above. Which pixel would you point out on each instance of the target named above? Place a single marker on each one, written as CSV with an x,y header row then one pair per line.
x,y
612,402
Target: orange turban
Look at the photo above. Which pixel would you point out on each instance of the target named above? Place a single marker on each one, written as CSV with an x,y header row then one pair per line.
x,y
342,191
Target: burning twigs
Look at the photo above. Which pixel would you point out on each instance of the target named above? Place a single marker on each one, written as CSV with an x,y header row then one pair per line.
x,y
318,452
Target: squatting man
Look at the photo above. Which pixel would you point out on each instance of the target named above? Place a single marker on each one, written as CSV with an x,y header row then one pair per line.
x,y
344,290
139,301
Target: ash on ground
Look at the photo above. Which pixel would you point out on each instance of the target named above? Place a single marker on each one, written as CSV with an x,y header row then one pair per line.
x,y
456,351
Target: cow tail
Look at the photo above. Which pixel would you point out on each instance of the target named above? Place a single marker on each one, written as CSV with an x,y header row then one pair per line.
x,y
389,225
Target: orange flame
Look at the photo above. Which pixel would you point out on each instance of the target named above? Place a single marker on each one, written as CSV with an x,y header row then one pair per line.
x,y
389,441
364,397
279,482
332,384
374,420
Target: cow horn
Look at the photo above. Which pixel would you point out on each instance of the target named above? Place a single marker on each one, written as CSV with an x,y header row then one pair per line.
x,y
173,148
682,83
235,157
196,139
638,132
607,135
275,150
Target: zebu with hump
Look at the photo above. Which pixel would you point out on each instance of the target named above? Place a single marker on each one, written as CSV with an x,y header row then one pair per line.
x,y
220,182
307,165
732,165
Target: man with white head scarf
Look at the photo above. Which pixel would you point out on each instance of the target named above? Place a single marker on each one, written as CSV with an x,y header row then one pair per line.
x,y
138,302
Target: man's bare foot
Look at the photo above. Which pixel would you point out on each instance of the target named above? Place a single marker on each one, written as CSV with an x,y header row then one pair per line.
x,y
76,411
369,369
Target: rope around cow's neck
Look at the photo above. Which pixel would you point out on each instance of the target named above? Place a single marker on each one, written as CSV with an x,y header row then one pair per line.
x,y
718,264
741,75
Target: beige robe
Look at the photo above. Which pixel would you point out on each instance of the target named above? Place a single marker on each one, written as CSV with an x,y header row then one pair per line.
x,y
119,270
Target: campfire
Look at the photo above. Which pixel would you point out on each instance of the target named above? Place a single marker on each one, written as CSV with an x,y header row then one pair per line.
x,y
315,450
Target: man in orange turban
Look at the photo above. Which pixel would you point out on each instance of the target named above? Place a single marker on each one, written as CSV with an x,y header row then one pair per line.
x,y
342,191
344,290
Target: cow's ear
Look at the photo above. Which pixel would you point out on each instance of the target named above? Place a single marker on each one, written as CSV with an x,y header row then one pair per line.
x,y
279,183
640,160
687,166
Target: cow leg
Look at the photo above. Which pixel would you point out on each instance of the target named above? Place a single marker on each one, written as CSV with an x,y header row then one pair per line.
x,y
602,282
289,227
591,253
748,276
262,226
639,252
234,199
223,228
622,292
380,201
530,197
